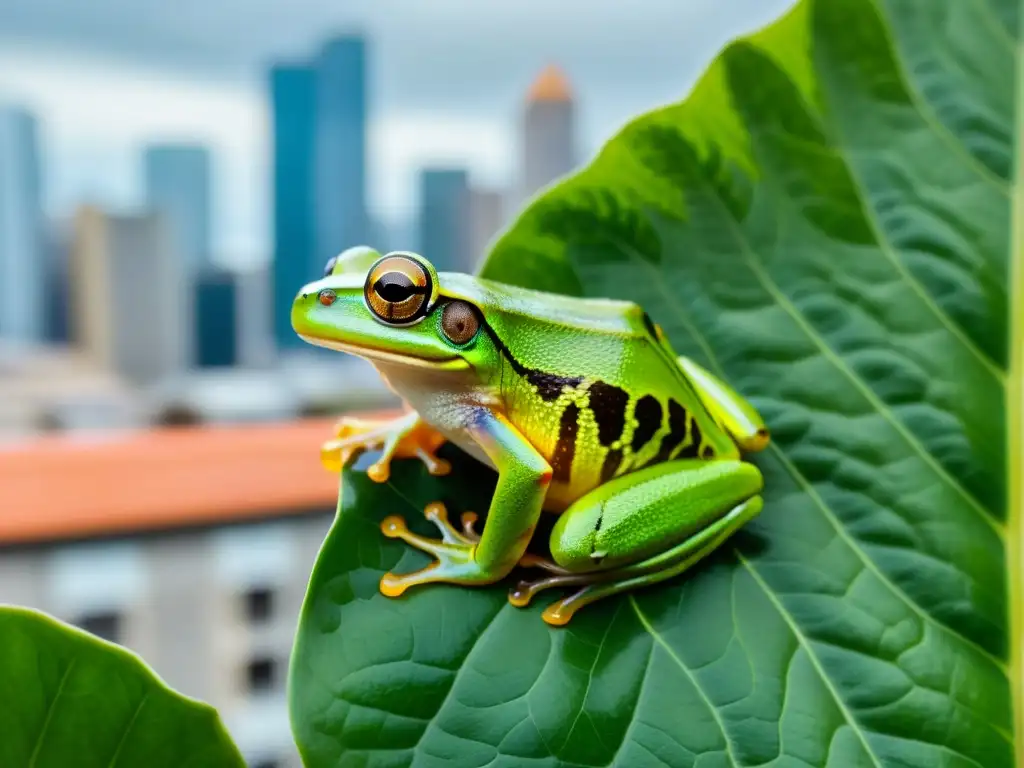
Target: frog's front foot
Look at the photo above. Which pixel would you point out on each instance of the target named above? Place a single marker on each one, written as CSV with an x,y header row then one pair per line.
x,y
454,551
405,437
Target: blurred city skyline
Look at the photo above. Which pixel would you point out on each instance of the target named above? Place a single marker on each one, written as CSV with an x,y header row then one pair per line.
x,y
170,176
446,87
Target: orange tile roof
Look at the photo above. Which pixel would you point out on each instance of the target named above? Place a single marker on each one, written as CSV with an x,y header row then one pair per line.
x,y
68,487
550,85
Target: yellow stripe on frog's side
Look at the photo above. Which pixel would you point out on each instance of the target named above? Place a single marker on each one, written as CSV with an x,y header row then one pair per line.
x,y
590,432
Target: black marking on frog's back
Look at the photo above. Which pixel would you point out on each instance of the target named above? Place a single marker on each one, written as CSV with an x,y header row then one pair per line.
x,y
695,449
608,404
612,462
551,385
565,448
676,432
648,417
548,385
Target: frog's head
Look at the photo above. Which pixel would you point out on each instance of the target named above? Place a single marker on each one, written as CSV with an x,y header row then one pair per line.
x,y
389,309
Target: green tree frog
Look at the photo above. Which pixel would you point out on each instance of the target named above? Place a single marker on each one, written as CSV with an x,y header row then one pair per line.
x,y
580,405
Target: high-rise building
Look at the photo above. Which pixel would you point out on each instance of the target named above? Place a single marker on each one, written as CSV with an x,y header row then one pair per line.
x,y
445,218
255,338
57,289
177,178
216,320
130,297
293,95
341,113
549,131
487,217
22,258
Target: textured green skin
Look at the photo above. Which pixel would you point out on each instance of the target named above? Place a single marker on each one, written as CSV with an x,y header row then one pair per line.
x,y
644,513
480,395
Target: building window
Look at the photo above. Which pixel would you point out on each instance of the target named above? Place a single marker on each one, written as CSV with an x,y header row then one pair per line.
x,y
259,604
261,674
105,624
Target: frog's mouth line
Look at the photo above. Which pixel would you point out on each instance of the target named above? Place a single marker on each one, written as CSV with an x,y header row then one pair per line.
x,y
453,363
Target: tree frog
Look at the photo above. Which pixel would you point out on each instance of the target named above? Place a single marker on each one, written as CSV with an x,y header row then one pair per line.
x,y
580,405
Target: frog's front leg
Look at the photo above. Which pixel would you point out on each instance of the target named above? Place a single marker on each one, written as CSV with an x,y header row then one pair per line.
x,y
523,479
643,528
406,436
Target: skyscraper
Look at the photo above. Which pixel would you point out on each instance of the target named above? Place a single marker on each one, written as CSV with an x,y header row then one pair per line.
x,y
131,303
549,131
341,107
487,217
216,319
177,178
22,257
445,235
293,96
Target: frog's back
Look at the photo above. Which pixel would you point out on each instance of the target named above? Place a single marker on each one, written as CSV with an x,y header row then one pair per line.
x,y
591,385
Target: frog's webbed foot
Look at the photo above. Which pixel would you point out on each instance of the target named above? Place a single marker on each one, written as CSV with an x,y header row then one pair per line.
x,y
405,437
454,562
559,612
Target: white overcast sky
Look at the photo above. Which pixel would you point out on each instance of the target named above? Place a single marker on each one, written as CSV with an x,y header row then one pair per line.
x,y
446,81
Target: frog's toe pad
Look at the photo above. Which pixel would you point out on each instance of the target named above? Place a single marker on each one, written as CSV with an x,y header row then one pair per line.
x,y
395,584
435,465
379,472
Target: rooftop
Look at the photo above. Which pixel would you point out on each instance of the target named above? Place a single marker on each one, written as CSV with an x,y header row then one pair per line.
x,y
550,85
81,486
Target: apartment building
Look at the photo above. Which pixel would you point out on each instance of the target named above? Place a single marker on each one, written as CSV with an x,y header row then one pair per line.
x,y
191,546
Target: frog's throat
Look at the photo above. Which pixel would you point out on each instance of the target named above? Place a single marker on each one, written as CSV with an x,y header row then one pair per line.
x,y
453,363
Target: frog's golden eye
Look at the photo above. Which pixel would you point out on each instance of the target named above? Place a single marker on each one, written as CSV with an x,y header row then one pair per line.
x,y
459,322
398,290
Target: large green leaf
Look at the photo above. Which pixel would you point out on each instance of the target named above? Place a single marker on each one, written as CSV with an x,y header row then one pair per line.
x,y
68,699
826,222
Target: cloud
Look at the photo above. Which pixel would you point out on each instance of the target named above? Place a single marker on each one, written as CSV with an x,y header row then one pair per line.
x,y
447,79
96,120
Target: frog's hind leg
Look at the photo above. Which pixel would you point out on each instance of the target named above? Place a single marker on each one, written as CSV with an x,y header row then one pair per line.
x,y
642,529
599,584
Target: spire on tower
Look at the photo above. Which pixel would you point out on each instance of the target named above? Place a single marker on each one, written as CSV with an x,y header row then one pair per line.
x,y
550,85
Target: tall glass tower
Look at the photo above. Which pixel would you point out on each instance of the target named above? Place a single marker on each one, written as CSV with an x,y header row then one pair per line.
x,y
341,105
548,131
178,187
295,261
22,256
445,231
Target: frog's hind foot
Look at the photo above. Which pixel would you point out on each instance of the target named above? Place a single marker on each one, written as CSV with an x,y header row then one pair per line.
x,y
404,437
559,612
599,584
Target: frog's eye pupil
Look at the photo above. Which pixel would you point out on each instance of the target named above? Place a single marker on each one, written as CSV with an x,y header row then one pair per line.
x,y
397,290
394,287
